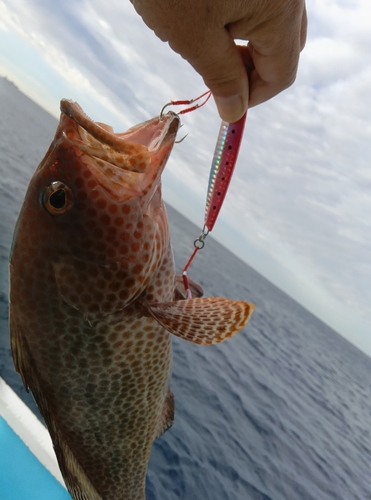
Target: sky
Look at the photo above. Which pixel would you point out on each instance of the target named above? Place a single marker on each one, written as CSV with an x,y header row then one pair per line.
x,y
298,208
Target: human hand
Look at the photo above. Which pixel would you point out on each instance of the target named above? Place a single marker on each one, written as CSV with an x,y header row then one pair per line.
x,y
203,33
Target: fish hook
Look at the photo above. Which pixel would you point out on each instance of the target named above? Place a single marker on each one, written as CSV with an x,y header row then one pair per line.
x,y
181,140
199,243
187,110
186,102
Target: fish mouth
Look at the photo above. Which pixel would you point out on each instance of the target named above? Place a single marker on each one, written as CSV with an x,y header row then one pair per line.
x,y
126,161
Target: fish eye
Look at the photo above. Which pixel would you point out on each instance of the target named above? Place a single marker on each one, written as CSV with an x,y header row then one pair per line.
x,y
58,198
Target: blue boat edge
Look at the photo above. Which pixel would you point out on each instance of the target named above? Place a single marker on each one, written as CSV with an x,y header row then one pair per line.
x,y
28,466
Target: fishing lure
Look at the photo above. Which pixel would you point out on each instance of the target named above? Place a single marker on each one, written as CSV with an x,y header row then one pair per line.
x,y
222,167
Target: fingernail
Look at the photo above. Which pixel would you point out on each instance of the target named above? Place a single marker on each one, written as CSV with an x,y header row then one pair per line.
x,y
230,108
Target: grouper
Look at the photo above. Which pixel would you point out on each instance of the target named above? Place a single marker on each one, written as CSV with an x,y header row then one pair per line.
x,y
95,300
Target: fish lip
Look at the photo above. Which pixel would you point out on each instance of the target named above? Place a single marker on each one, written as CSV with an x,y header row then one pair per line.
x,y
125,164
152,134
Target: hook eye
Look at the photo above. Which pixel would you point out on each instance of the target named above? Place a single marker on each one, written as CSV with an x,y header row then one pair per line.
x,y
58,198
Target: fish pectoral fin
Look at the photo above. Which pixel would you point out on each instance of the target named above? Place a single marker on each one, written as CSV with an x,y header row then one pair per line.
x,y
167,417
180,291
202,321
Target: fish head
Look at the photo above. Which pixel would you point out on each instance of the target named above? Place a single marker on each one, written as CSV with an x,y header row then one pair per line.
x,y
94,209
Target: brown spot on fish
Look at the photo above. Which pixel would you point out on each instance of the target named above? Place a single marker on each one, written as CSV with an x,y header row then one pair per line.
x,y
135,247
105,219
101,203
119,221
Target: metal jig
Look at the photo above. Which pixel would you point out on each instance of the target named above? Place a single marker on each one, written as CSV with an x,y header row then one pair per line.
x,y
222,167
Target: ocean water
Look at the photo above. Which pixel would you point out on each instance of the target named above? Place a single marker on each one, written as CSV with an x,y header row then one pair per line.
x,y
280,412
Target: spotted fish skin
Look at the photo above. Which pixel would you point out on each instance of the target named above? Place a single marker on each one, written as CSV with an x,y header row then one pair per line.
x,y
92,306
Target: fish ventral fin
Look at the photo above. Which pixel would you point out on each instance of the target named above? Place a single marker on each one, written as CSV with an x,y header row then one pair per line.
x,y
203,321
167,417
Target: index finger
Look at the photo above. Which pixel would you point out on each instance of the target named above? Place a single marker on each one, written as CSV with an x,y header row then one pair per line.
x,y
272,55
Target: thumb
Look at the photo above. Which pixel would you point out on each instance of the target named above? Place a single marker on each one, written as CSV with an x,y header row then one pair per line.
x,y
222,68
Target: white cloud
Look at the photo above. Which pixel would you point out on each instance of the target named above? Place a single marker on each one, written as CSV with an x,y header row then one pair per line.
x,y
300,199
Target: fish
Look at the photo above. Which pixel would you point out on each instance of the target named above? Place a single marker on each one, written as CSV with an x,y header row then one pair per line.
x,y
95,301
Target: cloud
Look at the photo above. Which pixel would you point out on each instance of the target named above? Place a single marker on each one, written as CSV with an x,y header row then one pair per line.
x,y
300,198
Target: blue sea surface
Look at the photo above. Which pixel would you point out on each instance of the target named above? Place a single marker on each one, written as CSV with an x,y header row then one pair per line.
x,y
282,411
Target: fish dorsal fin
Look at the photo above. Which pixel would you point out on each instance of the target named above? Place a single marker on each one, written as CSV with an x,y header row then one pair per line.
x,y
202,321
181,293
167,417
